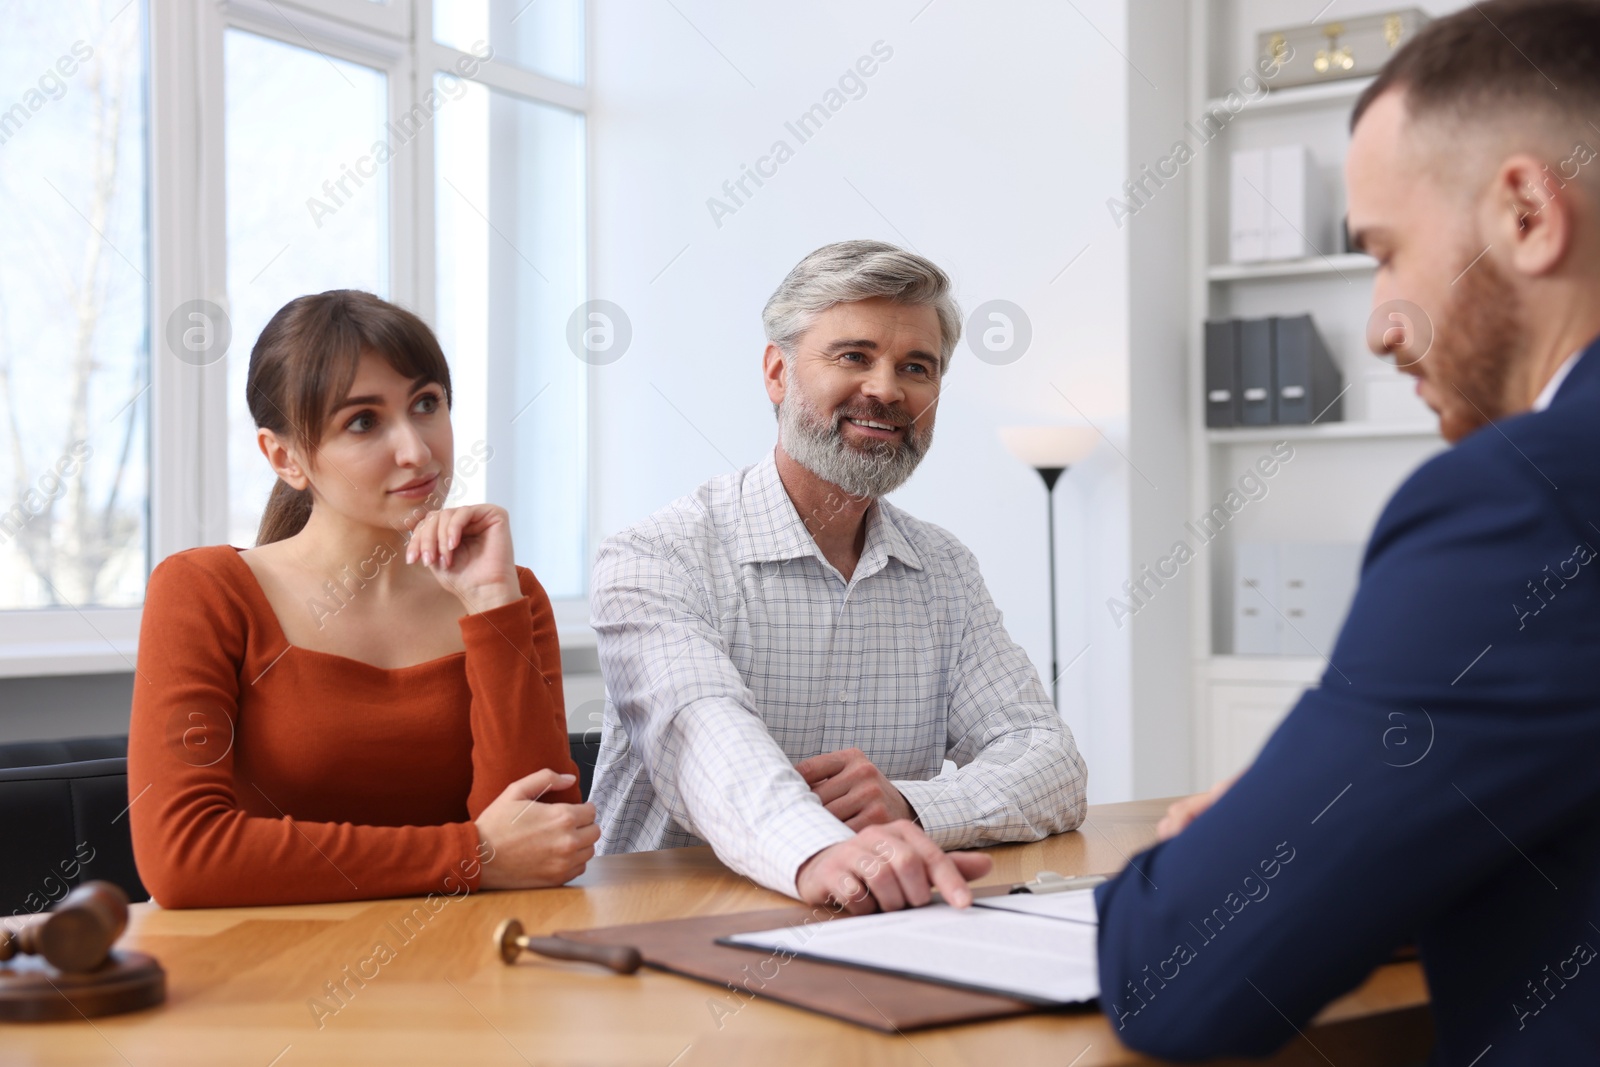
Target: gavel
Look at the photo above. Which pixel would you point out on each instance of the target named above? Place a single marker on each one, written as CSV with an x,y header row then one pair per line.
x,y
510,941
77,936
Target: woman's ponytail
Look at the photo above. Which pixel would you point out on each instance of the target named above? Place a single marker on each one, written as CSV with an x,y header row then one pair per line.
x,y
287,510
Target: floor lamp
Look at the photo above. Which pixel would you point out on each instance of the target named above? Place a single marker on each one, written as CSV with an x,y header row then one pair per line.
x,y
1050,450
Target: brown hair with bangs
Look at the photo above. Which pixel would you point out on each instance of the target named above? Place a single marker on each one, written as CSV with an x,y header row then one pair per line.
x,y
303,365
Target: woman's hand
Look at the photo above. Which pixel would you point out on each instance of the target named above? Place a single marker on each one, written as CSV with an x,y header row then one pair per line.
x,y
531,845
469,550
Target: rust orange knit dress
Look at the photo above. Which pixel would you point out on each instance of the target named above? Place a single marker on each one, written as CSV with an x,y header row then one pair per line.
x,y
264,773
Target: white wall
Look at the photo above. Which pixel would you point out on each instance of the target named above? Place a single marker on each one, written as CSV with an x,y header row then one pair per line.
x,y
1160,738
989,141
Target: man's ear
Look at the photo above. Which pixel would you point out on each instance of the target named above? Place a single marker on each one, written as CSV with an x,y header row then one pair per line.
x,y
1535,216
285,464
774,364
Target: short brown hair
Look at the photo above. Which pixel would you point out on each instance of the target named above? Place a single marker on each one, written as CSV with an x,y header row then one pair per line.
x,y
1499,56
302,367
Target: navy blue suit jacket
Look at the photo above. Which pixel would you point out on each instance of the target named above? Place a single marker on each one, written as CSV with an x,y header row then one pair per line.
x,y
1441,786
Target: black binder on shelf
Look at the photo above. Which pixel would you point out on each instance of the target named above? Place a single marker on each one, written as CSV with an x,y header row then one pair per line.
x,y
1309,385
1222,373
1257,387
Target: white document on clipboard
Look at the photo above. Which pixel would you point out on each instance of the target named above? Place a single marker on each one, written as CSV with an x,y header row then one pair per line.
x,y
1077,906
1042,952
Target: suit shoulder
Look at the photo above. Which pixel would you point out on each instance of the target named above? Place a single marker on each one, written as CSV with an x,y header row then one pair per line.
x,y
1534,462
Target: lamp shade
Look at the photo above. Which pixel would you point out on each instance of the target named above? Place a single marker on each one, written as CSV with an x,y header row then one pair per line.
x,y
1045,447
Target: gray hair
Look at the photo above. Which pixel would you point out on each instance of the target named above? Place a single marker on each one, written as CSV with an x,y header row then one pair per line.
x,y
860,270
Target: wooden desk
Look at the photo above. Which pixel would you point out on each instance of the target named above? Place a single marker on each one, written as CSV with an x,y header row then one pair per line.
x,y
243,983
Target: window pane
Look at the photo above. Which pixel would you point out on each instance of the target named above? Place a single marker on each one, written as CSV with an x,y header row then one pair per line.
x,y
307,211
74,335
510,218
545,36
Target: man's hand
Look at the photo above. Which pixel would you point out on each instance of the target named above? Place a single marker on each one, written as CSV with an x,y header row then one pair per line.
x,y
887,868
853,790
1185,811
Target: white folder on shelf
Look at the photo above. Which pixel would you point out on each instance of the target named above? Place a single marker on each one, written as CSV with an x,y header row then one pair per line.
x,y
1247,206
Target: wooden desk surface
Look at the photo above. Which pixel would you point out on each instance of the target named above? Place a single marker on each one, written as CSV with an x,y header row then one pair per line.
x,y
244,983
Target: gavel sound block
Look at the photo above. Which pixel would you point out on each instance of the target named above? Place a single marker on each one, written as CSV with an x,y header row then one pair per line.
x,y
61,965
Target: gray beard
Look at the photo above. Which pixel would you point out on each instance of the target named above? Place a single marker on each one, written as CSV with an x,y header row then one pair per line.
x,y
817,443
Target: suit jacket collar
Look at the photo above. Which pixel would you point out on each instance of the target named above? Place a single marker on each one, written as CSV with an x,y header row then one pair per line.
x,y
1585,370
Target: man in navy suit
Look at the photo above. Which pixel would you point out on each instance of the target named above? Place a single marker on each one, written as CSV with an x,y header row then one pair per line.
x,y
1441,786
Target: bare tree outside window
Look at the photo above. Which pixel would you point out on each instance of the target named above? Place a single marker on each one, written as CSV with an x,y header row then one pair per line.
x,y
74,332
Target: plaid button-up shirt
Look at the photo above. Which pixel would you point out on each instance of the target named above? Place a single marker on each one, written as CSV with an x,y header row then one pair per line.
x,y
731,649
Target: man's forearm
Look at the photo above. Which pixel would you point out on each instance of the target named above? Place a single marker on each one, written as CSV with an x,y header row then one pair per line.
x,y
737,790
1041,793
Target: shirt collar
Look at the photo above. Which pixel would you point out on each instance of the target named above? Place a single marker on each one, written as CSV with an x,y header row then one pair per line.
x,y
770,529
1553,386
885,539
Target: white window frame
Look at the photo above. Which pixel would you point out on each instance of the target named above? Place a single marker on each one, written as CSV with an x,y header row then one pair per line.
x,y
188,413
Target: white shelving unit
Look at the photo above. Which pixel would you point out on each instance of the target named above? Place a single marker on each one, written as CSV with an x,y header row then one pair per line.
x,y
1329,431
1305,96
1335,263
1341,473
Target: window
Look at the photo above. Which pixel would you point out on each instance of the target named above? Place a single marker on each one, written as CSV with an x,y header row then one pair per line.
x,y
510,272
128,308
542,36
312,220
74,328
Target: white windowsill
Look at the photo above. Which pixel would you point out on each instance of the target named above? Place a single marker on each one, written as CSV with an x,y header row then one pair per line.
x,y
43,659
48,644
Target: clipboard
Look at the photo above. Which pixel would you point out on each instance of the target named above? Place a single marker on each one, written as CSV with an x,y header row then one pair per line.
x,y
1043,882
883,1002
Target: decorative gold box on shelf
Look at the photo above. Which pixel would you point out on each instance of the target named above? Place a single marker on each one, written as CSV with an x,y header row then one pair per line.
x,y
1337,49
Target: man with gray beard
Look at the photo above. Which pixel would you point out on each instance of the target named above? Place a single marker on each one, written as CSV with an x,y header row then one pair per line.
x,y
789,660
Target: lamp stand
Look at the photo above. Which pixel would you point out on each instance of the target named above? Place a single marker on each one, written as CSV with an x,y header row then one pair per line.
x,y
1051,475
